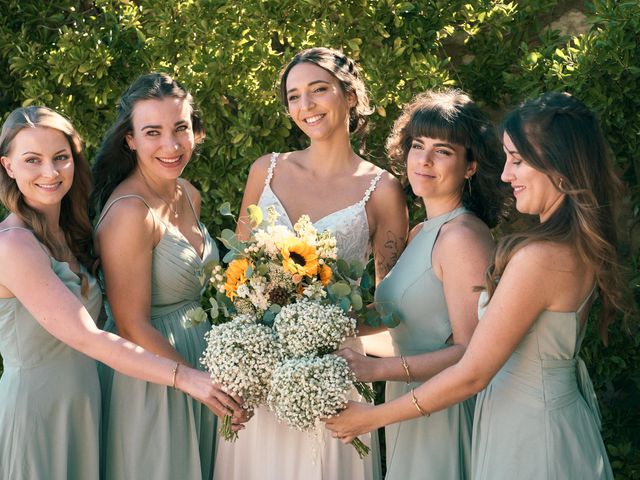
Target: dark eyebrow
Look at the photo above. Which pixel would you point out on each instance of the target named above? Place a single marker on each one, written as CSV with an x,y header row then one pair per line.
x,y
448,145
32,153
159,127
310,83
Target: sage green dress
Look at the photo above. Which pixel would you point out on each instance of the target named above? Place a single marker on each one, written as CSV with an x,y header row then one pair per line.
x,y
438,446
153,431
49,394
538,419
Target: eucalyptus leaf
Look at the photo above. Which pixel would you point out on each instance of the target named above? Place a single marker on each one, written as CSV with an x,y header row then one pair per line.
x,y
340,289
356,301
225,209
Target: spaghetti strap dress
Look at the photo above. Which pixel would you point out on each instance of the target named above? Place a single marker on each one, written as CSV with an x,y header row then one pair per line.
x,y
269,450
152,431
49,393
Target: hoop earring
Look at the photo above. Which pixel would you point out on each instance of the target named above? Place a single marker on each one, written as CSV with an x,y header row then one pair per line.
x,y
560,187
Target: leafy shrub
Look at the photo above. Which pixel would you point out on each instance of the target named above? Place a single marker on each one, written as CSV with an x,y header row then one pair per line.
x,y
78,56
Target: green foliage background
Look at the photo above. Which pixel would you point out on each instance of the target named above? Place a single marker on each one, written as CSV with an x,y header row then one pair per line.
x,y
77,57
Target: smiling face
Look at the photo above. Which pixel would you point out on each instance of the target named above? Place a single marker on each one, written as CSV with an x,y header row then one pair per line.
x,y
41,162
437,170
535,193
162,136
317,103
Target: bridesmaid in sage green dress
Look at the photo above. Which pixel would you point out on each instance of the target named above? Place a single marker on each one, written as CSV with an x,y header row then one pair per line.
x,y
49,391
537,417
152,249
451,155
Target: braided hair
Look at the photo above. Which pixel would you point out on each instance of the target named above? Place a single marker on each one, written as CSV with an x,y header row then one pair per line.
x,y
346,71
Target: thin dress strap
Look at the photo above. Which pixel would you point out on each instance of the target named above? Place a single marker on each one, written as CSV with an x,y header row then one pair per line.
x,y
31,232
272,166
372,187
195,215
108,207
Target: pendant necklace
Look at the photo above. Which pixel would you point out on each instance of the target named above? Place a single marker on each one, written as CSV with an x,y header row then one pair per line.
x,y
174,211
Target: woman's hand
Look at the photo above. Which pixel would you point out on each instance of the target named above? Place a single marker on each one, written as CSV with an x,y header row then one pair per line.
x,y
198,385
355,419
364,367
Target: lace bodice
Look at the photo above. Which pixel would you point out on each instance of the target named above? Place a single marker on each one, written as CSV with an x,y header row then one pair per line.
x,y
349,224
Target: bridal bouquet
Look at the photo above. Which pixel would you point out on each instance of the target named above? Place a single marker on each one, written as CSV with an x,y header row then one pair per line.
x,y
241,355
284,297
306,389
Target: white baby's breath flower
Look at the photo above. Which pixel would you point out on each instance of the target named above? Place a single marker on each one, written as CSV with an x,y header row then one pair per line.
x,y
242,355
305,389
310,328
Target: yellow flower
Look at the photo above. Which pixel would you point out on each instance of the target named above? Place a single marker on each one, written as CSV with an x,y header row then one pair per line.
x,y
236,276
325,274
298,257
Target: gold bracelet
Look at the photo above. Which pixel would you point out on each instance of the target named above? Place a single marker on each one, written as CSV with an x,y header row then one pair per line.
x,y
415,402
175,372
406,369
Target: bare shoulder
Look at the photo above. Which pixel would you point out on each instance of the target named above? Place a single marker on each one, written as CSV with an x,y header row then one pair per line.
x,y
17,246
127,214
388,187
543,255
260,167
465,231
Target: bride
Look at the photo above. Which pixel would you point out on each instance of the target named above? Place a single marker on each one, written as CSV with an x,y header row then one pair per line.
x,y
360,203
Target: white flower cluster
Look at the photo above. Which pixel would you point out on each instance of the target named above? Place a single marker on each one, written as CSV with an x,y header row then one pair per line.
x,y
326,246
306,231
310,328
272,238
305,389
217,278
242,355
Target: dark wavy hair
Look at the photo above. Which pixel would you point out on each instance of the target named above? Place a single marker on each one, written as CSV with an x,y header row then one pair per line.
x,y
115,161
346,71
559,136
74,217
451,115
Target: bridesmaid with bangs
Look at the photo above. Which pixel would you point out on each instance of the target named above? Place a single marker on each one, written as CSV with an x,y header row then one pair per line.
x,y
452,158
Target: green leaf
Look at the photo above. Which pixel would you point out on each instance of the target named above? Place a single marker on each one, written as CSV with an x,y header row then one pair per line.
x,y
345,304
225,209
356,301
339,289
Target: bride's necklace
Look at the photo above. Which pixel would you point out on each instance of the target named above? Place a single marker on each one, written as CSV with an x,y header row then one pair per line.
x,y
176,200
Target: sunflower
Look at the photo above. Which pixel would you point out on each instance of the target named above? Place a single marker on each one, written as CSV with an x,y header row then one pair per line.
x,y
325,274
236,276
298,257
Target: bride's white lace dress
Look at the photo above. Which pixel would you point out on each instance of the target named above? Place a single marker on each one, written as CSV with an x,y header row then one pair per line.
x,y
269,450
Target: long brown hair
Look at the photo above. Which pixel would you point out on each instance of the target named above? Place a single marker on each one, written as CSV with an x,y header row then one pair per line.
x,y
451,115
343,69
74,217
559,136
115,161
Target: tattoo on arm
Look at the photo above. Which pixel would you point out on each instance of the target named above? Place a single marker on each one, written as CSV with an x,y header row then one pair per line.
x,y
388,256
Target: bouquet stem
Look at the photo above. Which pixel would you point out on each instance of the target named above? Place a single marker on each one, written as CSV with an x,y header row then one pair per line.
x,y
225,429
365,390
360,447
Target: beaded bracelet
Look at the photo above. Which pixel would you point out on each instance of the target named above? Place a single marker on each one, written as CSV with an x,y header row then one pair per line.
x,y
406,369
415,402
175,372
